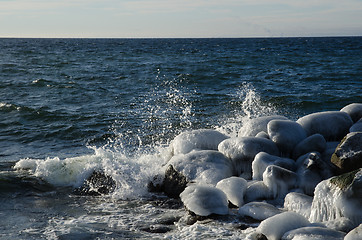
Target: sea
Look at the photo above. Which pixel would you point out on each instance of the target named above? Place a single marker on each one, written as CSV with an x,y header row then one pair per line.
x,y
70,107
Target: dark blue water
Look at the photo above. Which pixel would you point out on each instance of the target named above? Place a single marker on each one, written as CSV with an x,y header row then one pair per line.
x,y
68,98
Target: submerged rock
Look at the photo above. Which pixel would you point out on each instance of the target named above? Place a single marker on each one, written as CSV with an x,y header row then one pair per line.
x,y
348,154
354,110
205,200
333,125
242,151
338,197
97,184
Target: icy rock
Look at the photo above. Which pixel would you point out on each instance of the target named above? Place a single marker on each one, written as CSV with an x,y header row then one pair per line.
x,y
311,172
327,153
313,233
354,110
279,180
315,142
275,227
256,125
259,210
205,166
340,224
338,197
205,200
257,191
201,139
262,134
242,150
299,203
262,160
357,127
333,125
97,184
348,154
355,234
234,188
286,134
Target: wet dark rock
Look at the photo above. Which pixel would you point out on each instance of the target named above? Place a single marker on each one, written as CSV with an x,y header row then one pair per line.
x,y
348,154
97,184
156,229
174,182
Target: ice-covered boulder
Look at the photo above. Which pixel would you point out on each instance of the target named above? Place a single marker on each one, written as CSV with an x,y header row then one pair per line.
x,y
286,134
299,203
315,142
340,224
275,227
311,172
242,150
338,197
279,180
333,125
201,139
357,127
257,190
313,233
262,134
234,188
355,234
259,210
256,125
205,200
354,110
205,166
262,160
348,154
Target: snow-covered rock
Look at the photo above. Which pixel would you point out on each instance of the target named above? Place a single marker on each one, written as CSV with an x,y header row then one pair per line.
x,y
299,203
313,233
355,234
315,142
333,125
338,197
242,150
357,127
256,125
348,154
259,210
234,188
354,110
286,134
262,160
279,180
205,200
339,224
201,139
257,190
275,227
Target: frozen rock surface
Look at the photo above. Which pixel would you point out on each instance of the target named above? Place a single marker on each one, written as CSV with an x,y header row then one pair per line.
x,y
338,197
262,160
355,234
286,134
313,233
354,110
234,188
279,180
256,125
201,139
205,200
313,143
348,154
257,191
299,203
242,150
357,127
259,210
333,125
275,227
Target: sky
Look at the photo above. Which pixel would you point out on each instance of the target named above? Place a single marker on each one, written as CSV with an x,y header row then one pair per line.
x,y
180,18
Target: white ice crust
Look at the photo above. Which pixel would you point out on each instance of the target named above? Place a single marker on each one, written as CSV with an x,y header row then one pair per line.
x,y
234,188
205,200
259,210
